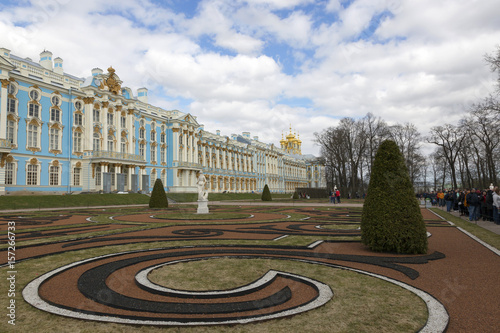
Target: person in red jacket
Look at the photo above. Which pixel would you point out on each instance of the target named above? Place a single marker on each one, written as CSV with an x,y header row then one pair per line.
x,y
337,195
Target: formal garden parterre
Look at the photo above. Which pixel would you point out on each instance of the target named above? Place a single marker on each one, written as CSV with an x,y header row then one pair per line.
x,y
250,268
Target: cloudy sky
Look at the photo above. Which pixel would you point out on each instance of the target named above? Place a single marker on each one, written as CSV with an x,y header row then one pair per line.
x,y
261,65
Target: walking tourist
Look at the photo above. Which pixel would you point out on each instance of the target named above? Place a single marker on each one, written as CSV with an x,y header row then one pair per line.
x,y
496,205
473,204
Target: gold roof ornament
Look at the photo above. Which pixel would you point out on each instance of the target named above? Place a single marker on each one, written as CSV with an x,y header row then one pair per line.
x,y
112,82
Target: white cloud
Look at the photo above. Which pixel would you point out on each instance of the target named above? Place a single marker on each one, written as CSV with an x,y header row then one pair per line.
x,y
423,64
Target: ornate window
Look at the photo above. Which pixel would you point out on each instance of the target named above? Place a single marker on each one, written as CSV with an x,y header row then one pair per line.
x,y
123,121
10,173
54,175
96,142
11,99
34,105
32,177
162,134
55,110
77,175
78,106
78,119
96,115
111,143
11,131
163,155
33,135
153,135
77,141
98,173
110,118
153,153
54,142
142,150
123,144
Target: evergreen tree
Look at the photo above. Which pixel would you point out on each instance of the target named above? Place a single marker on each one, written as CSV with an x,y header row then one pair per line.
x,y
266,194
295,195
158,196
391,220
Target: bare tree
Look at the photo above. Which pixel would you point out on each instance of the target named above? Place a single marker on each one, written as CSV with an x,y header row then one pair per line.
x,y
408,139
450,140
484,125
376,131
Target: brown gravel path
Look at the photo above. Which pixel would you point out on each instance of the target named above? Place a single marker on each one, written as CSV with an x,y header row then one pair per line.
x,y
465,281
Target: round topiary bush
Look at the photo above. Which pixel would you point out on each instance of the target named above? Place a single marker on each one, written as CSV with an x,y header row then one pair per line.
x,y
158,196
391,220
266,194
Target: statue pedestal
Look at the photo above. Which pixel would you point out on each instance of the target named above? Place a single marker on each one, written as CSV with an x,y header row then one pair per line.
x,y
202,207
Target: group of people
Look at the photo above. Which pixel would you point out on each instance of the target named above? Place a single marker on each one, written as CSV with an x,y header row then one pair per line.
x,y
475,203
335,195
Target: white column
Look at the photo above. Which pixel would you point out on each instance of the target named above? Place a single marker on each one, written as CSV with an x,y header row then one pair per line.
x,y
130,123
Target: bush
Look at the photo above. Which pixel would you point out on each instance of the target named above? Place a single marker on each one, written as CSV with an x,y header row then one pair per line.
x,y
391,220
295,195
158,196
266,194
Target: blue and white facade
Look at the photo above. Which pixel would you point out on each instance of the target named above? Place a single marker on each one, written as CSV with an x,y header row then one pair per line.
x,y
64,134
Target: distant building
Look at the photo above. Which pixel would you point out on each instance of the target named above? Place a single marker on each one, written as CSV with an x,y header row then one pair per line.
x,y
60,133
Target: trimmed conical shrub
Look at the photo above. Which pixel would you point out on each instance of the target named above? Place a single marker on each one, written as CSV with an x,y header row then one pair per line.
x,y
295,196
158,196
266,194
391,220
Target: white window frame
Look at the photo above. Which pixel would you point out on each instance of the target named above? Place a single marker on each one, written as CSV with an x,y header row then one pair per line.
x,y
78,119
33,134
77,142
96,141
96,116
10,173
54,175
77,176
111,143
98,175
30,174
153,153
110,118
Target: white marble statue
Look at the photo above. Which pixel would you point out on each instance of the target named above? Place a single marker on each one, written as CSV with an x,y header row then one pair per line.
x,y
202,193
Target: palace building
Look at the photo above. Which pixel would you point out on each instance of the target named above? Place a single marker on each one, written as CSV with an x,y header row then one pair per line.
x,y
63,134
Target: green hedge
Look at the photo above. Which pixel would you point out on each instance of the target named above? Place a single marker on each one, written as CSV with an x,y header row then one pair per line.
x,y
391,220
266,194
158,196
